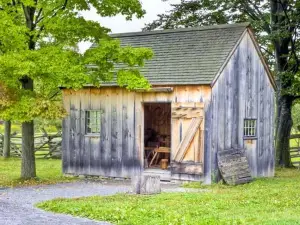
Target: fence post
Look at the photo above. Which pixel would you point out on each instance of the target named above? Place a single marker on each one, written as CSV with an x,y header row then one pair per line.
x,y
6,141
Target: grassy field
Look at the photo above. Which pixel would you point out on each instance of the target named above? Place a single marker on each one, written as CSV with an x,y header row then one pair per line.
x,y
48,172
264,201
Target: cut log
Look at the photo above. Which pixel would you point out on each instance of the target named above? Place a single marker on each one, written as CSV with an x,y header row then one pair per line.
x,y
147,184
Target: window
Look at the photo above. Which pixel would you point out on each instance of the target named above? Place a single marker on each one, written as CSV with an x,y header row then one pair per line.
x,y
249,128
92,122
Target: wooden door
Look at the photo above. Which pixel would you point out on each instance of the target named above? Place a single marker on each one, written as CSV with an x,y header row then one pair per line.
x,y
187,138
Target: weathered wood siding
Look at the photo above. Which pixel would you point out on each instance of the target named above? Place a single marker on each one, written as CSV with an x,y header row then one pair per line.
x,y
243,90
118,150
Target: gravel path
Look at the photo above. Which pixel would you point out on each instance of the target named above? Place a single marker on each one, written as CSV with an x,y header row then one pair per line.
x,y
17,204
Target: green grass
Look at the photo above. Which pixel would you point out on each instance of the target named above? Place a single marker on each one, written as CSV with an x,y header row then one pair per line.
x,y
264,201
48,172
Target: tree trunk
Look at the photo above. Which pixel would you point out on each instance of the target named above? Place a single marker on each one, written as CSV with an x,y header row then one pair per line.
x,y
279,24
284,126
28,158
6,141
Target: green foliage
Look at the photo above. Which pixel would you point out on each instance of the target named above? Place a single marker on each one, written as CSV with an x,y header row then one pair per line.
x,y
264,201
48,172
38,41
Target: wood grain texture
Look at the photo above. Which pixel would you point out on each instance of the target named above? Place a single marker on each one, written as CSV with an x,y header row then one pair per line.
x,y
118,150
188,138
94,141
190,168
234,166
242,91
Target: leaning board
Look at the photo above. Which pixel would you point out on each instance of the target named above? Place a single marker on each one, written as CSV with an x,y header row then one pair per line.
x,y
234,166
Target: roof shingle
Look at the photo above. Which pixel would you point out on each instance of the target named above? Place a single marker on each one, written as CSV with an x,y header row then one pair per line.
x,y
185,56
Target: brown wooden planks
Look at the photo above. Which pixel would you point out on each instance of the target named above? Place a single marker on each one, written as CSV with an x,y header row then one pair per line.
x,y
114,134
234,167
187,168
95,156
185,143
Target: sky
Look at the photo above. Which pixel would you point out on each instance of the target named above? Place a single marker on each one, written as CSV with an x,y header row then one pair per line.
x,y
118,24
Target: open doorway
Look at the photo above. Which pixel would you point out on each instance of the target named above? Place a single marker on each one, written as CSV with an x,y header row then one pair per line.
x,y
157,135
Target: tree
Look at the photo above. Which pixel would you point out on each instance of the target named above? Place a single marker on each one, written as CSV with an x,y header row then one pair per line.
x,y
276,23
38,53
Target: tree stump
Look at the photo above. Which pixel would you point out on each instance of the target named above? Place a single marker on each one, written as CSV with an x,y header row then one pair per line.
x,y
146,184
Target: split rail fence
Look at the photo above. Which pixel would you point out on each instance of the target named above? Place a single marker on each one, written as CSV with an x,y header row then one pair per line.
x,y
46,145
295,149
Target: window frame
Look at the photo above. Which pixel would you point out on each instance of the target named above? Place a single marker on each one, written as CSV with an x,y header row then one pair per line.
x,y
87,120
249,129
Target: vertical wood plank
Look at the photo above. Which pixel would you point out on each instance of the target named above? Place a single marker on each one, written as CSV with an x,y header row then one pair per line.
x,y
260,124
139,134
133,161
107,144
228,74
95,156
125,134
221,114
114,133
119,108
76,131
207,154
84,140
235,114
215,125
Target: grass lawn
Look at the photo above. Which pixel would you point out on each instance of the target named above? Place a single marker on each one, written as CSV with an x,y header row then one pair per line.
x,y
264,201
48,172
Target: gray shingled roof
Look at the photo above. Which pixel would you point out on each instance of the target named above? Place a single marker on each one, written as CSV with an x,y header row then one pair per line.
x,y
185,56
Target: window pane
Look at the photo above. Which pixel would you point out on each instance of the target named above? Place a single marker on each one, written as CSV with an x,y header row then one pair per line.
x,y
249,127
92,121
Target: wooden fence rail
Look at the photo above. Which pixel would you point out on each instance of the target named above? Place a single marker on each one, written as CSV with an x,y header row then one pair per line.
x,y
46,145
295,149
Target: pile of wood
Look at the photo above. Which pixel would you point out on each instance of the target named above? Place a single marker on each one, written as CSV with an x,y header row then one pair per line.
x,y
234,166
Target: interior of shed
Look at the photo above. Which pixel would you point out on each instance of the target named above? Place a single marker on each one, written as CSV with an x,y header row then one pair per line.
x,y
157,135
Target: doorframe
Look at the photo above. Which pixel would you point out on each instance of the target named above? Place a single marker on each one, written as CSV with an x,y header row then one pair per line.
x,y
143,128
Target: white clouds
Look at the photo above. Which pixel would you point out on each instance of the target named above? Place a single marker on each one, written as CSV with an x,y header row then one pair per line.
x,y
118,24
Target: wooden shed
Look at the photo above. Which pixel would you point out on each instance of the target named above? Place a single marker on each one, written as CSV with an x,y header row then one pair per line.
x,y
211,91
